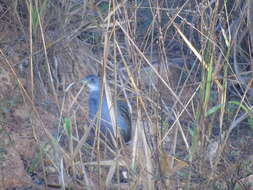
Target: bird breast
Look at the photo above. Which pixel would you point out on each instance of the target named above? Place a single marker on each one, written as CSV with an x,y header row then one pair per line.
x,y
123,119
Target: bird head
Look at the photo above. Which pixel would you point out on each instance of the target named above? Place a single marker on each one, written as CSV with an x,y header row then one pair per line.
x,y
92,82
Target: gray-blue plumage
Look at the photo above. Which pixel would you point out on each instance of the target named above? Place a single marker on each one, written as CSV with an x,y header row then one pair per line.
x,y
123,120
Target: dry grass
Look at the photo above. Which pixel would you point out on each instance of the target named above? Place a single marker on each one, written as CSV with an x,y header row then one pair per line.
x,y
184,68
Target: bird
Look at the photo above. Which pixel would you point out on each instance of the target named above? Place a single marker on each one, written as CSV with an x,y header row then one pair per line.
x,y
122,115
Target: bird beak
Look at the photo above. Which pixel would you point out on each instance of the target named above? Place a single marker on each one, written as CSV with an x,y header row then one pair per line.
x,y
83,81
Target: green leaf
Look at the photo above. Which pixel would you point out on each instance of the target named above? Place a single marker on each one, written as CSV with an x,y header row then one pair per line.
x,y
241,106
36,12
67,126
35,162
213,109
250,122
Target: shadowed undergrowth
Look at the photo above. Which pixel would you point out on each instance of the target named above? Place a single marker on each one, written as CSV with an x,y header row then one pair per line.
x,y
183,67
